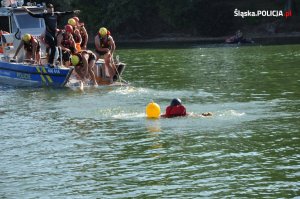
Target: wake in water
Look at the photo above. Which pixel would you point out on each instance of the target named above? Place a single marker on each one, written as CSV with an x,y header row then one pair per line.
x,y
128,103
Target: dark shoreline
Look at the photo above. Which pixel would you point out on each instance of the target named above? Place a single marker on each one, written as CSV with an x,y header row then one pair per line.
x,y
275,39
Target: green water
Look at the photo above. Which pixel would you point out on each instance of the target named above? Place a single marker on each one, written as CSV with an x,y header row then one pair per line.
x,y
63,143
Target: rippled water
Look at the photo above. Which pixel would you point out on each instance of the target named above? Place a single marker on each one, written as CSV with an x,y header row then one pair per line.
x,y
63,143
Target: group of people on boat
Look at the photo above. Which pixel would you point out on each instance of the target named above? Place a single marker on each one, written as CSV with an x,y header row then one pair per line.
x,y
70,44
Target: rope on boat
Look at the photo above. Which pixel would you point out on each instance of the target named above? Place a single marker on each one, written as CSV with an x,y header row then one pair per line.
x,y
119,75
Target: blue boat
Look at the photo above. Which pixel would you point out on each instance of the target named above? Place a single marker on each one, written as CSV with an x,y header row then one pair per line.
x,y
27,75
15,22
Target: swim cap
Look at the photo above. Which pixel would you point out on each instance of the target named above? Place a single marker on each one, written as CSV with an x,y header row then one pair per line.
x,y
103,31
72,22
69,28
26,37
76,19
74,60
175,102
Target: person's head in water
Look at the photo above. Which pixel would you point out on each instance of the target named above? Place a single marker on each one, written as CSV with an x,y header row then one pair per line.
x,y
175,102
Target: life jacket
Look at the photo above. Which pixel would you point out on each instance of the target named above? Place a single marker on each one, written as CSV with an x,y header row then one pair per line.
x,y
175,111
67,42
28,45
104,42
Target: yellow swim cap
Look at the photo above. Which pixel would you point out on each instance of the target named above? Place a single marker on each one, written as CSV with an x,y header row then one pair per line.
x,y
74,60
103,31
72,22
26,37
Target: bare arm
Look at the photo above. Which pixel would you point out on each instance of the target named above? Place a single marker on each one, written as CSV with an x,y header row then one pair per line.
x,y
67,12
77,33
73,44
85,57
59,40
34,49
97,43
112,46
85,35
19,48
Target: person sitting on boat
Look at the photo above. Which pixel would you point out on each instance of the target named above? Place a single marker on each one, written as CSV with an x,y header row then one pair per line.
x,y
84,63
76,34
50,18
67,44
105,46
176,109
32,49
83,33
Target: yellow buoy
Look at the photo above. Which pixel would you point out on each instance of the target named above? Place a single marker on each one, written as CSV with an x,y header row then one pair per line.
x,y
153,110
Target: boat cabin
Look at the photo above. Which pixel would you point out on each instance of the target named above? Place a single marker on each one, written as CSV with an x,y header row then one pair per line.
x,y
15,22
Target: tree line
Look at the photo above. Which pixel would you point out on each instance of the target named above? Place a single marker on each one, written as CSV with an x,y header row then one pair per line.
x,y
139,19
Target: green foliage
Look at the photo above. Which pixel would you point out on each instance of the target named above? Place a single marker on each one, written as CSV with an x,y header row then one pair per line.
x,y
144,18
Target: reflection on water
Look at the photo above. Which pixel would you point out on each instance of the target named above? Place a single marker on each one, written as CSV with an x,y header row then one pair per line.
x,y
62,143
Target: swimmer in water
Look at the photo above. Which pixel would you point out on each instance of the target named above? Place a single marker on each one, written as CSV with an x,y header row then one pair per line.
x,y
176,109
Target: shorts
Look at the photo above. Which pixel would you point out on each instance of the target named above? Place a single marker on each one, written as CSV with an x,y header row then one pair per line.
x,y
66,56
101,53
91,57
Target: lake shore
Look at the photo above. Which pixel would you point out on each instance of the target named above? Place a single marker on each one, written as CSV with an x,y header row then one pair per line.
x,y
264,39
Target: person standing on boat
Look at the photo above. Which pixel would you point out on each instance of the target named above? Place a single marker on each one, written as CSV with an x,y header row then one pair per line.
x,y
67,44
84,63
32,49
83,33
76,34
51,18
105,46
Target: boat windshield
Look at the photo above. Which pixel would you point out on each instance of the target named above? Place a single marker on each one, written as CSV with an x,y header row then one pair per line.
x,y
26,21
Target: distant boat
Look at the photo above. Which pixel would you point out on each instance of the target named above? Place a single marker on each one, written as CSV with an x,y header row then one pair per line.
x,y
238,39
234,40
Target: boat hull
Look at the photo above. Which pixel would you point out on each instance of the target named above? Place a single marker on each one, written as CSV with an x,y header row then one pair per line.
x,y
28,75
100,76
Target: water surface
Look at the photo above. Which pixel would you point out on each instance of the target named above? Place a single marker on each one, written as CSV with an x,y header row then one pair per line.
x,y
63,143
